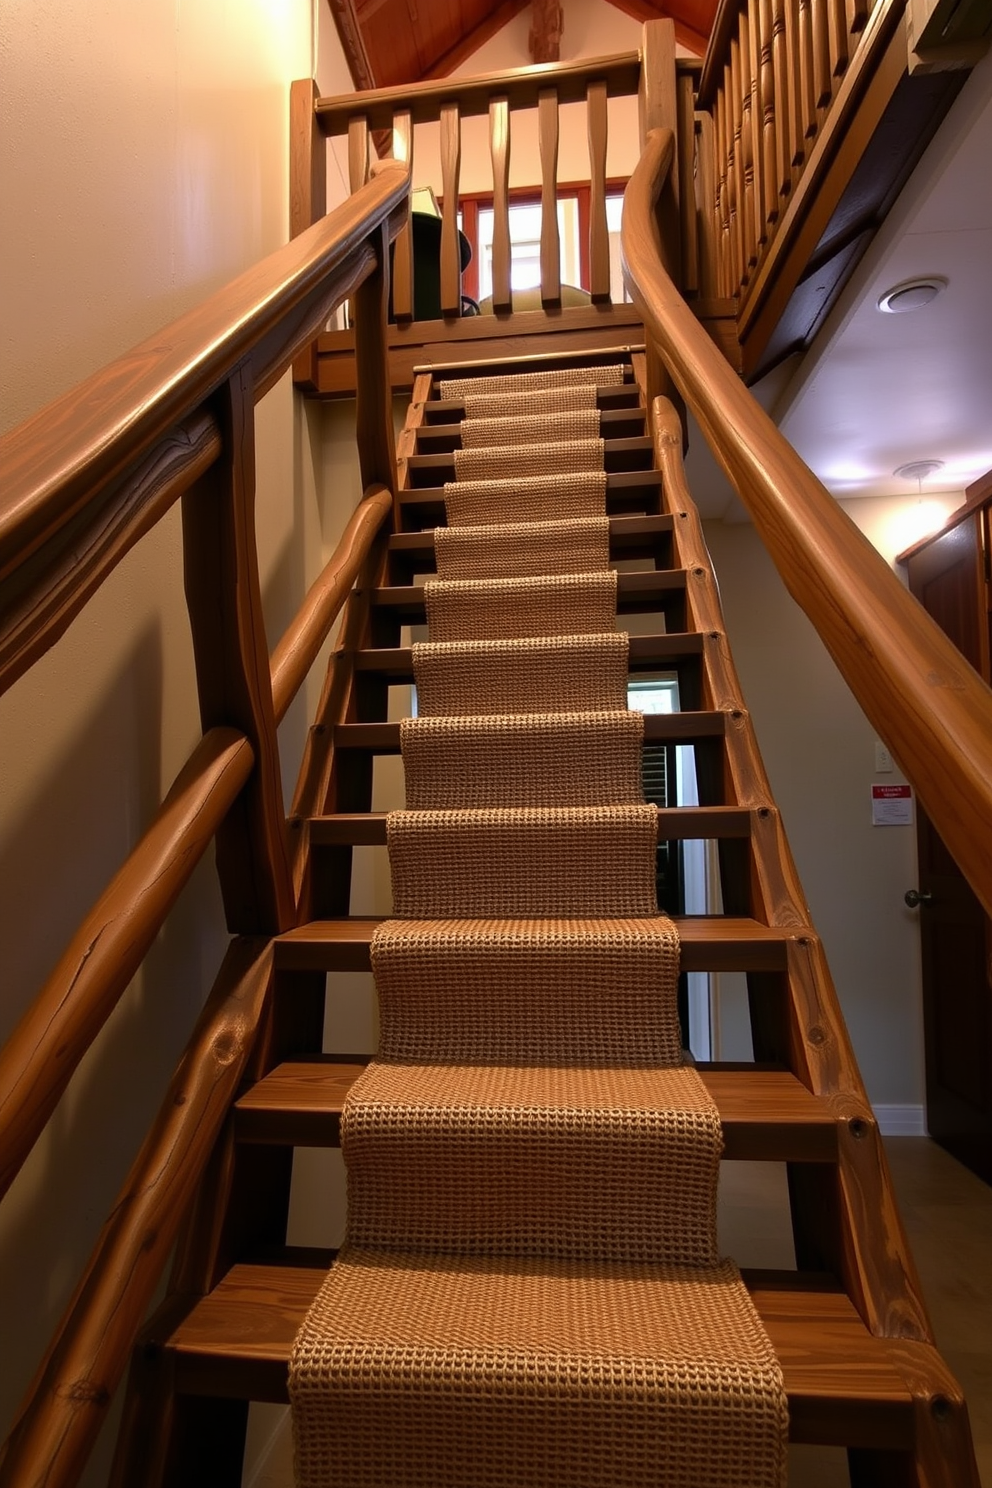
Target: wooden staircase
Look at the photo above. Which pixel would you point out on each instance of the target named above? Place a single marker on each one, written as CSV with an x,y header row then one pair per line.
x,y
848,1324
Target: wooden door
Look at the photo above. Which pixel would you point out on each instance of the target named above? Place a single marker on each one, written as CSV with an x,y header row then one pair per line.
x,y
949,576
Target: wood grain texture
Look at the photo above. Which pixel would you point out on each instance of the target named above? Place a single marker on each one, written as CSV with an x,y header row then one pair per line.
x,y
934,713
472,95
499,148
295,653
767,115
233,681
45,1048
658,109
757,121
68,1401
547,123
687,171
599,240
747,142
307,185
358,152
782,83
822,69
451,155
838,37
373,395
403,250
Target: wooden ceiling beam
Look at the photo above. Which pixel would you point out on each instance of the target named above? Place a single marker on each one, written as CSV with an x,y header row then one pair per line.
x,y
350,32
545,32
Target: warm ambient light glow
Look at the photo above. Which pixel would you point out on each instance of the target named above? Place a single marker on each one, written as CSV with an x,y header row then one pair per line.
x,y
918,519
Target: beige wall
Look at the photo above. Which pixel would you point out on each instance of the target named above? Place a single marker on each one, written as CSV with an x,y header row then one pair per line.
x,y
143,163
819,751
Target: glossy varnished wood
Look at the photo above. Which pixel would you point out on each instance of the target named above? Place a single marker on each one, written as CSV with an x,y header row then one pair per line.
x,y
675,823
395,663
841,1384
709,943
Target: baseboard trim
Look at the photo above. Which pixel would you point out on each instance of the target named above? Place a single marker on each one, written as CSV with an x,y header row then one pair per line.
x,y
901,1121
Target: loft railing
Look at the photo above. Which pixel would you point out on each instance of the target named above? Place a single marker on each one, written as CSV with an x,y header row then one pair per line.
x,y
86,479
925,701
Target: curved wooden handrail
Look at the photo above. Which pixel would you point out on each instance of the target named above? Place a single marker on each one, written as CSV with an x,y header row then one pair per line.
x,y
295,653
926,702
69,1398
67,454
39,1058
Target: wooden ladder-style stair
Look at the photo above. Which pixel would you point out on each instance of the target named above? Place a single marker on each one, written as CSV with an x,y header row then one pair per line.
x,y
848,1324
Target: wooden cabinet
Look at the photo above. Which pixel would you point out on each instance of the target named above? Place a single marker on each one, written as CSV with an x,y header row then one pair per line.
x,y
949,573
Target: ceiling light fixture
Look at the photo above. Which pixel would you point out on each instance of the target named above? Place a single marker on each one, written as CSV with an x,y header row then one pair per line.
x,y
912,294
918,470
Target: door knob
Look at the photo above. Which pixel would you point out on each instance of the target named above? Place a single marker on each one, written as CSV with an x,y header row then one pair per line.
x,y
913,897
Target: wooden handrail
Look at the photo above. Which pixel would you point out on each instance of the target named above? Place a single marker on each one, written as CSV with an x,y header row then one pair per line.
x,y
926,702
295,653
39,1058
66,456
520,85
71,1393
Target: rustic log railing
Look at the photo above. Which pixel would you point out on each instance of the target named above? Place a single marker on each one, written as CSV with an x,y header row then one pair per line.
x,y
925,701
86,479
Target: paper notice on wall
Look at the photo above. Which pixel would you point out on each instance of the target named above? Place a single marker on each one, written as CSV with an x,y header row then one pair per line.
x,y
892,806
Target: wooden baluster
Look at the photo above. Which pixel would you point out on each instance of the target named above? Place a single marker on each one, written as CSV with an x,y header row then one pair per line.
x,y
499,146
858,12
797,137
807,89
685,85
233,681
839,46
822,72
737,173
307,192
657,109
723,194
757,121
451,159
599,237
781,80
710,224
547,116
403,247
769,120
373,392
747,142
358,152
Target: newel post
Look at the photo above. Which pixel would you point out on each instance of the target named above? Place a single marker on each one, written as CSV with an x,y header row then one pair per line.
x,y
373,390
307,193
233,678
658,109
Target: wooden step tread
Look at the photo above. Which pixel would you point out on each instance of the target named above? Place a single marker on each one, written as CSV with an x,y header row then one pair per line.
x,y
614,423
675,824
422,502
608,395
625,531
843,1388
634,453
645,652
709,943
659,728
646,590
767,1115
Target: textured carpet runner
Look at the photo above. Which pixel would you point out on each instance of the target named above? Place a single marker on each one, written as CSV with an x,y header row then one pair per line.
x,y
530,1291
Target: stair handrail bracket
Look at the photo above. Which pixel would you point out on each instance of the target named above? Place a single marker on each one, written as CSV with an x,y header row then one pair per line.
x,y
930,707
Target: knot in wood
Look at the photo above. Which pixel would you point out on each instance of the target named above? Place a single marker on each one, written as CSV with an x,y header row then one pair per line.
x,y
816,1035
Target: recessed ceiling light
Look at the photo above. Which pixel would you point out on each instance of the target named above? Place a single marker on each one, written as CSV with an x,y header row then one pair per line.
x,y
918,470
912,294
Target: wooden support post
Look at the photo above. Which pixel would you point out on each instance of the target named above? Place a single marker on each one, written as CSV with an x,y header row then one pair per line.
x,y
234,684
307,192
686,165
373,395
658,109
403,286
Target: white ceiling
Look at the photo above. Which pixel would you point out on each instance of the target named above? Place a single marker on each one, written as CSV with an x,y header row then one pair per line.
x,y
876,391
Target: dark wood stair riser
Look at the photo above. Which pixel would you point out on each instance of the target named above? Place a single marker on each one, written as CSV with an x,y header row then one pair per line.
x,y
618,423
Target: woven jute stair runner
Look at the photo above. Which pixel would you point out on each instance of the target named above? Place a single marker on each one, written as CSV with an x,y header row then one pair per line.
x,y
530,1292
